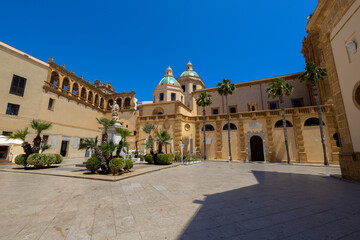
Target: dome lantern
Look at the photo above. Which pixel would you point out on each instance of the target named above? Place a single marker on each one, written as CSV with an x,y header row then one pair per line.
x,y
189,66
169,72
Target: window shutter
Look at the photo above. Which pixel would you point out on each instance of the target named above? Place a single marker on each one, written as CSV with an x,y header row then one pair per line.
x,y
76,143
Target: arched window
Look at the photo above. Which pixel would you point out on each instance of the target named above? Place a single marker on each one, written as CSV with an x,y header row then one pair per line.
x,y
101,103
158,111
279,124
75,89
55,79
119,101
96,100
110,103
232,127
90,97
83,93
127,102
208,127
312,122
66,85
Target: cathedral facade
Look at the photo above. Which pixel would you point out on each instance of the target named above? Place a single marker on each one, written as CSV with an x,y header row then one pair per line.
x,y
54,94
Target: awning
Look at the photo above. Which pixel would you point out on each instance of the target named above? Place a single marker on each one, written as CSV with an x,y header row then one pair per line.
x,y
4,141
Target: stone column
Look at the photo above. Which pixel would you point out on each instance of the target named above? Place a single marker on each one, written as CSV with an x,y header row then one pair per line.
x,y
218,139
198,133
61,80
299,139
242,141
270,139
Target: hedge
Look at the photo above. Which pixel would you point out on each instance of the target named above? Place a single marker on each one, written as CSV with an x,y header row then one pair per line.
x,y
149,158
117,164
21,159
59,159
93,164
128,164
39,160
165,159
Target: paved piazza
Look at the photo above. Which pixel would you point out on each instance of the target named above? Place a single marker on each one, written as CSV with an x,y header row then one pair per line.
x,y
212,200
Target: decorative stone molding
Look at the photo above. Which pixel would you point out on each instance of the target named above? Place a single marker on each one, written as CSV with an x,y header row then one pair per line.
x,y
261,134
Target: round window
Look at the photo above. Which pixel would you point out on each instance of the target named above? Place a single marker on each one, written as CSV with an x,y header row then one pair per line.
x,y
187,127
356,95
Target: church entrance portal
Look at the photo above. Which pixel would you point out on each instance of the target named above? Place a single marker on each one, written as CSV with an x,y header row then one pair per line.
x,y
257,149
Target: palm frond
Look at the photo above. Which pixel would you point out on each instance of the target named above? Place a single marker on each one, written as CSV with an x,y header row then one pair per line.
x,y
148,128
40,126
87,143
19,134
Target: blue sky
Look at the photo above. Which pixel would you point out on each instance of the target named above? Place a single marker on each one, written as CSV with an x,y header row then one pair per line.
x,y
131,43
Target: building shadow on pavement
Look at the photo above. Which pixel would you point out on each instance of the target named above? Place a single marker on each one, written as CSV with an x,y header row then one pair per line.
x,y
280,206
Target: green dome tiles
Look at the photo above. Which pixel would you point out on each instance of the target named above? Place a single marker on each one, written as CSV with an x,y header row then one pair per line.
x,y
170,81
189,73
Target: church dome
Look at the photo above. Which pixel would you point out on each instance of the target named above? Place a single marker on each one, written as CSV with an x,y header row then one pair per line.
x,y
169,78
189,71
169,81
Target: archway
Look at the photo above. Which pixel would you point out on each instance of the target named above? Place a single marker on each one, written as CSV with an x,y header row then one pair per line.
x,y
257,148
54,80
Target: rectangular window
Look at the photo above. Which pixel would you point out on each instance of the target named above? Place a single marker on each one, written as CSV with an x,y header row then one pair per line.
x,y
51,104
134,133
12,109
297,102
183,87
273,105
161,97
215,111
194,87
232,109
18,85
173,96
5,133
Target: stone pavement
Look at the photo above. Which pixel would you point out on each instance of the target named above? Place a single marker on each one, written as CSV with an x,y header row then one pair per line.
x,y
212,200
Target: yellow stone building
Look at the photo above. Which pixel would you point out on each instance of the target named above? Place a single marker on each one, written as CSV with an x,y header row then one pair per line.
x,y
332,43
33,89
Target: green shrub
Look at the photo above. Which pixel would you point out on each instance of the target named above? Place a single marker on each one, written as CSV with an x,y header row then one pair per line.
x,y
128,164
149,158
37,160
59,159
142,157
164,159
93,164
117,164
49,158
171,156
21,159
177,157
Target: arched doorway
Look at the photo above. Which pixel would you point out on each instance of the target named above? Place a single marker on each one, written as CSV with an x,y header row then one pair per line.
x,y
257,149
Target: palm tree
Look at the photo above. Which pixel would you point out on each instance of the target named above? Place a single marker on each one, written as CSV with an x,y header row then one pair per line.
x,y
38,126
312,75
163,138
226,88
279,88
148,128
89,143
106,123
124,133
44,147
106,156
204,100
22,135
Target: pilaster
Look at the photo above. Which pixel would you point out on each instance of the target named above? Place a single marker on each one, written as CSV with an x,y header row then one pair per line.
x,y
218,139
270,139
299,139
242,140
